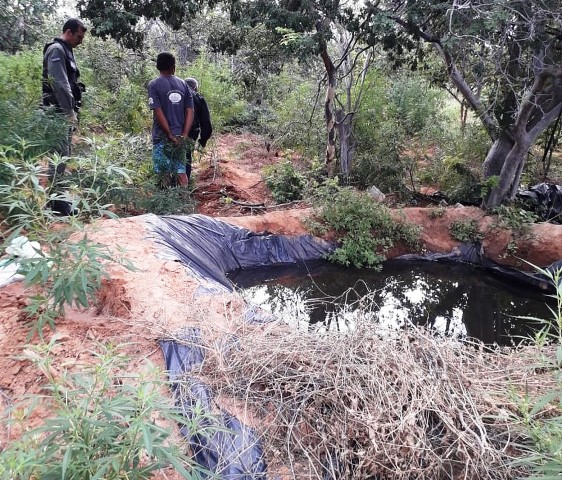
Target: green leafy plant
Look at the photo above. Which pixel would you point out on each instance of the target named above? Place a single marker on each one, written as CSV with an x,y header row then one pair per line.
x,y
65,272
437,212
284,181
541,417
466,231
364,228
106,423
71,274
515,218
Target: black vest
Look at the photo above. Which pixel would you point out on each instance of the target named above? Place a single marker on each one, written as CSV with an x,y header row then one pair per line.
x,y
72,73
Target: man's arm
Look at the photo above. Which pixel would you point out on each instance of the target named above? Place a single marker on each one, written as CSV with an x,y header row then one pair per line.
x,y
56,73
163,122
188,121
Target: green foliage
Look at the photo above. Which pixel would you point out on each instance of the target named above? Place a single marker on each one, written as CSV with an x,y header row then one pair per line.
x,y
364,228
284,181
26,196
414,103
20,78
436,212
400,114
70,273
541,417
285,94
458,180
23,22
149,197
466,231
116,79
515,218
222,92
20,98
107,423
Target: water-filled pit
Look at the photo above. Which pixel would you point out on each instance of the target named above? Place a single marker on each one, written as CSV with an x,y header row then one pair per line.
x,y
456,300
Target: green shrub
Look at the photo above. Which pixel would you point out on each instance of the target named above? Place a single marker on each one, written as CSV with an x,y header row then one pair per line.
x,y
106,423
514,218
221,91
20,78
466,231
71,272
365,229
540,417
288,93
150,198
284,181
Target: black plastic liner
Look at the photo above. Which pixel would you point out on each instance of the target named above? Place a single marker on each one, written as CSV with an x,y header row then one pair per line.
x,y
473,254
211,248
545,199
221,444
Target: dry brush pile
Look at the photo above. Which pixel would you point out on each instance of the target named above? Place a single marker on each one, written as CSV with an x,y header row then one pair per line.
x,y
358,406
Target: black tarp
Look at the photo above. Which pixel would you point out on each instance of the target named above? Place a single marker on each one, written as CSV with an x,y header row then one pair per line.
x,y
211,248
221,444
473,254
545,200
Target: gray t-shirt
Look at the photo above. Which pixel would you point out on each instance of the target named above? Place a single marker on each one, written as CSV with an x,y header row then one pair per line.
x,y
172,95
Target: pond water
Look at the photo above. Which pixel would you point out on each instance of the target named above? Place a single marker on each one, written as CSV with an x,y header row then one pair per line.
x,y
456,300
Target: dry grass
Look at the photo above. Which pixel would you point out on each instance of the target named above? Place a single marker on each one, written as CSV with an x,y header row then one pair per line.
x,y
356,406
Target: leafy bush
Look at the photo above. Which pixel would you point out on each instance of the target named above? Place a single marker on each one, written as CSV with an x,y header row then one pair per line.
x,y
364,228
161,201
541,417
458,180
288,93
107,423
71,272
466,231
284,181
514,217
399,115
221,91
116,79
20,78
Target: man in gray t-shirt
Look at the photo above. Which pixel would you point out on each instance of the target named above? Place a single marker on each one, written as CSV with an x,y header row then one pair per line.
x,y
171,102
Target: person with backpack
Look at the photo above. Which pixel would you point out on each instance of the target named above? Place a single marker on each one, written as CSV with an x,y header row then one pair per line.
x,y
201,128
60,82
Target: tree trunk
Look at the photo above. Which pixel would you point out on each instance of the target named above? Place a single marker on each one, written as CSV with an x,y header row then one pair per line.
x,y
505,160
347,145
329,111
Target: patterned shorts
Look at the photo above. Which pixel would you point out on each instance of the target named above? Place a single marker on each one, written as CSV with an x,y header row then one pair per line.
x,y
169,158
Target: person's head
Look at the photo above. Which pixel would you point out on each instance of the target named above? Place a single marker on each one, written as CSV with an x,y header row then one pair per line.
x,y
192,83
166,62
73,32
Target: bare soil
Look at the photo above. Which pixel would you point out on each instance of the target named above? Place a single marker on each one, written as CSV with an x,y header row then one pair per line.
x,y
143,306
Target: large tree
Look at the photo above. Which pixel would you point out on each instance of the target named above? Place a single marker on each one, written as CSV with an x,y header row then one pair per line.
x,y
503,57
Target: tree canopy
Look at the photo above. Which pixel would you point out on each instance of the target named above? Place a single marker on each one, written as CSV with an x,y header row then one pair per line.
x,y
503,58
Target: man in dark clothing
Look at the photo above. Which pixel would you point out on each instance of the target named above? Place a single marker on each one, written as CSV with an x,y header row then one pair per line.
x,y
61,87
171,102
202,128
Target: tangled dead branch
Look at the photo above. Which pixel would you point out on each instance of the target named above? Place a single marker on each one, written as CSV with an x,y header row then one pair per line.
x,y
357,406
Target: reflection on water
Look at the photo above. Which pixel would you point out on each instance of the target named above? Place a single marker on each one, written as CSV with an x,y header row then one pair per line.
x,y
454,300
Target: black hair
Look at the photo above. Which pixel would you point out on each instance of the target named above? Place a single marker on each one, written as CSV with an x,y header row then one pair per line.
x,y
165,62
73,24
